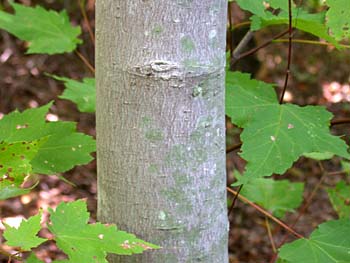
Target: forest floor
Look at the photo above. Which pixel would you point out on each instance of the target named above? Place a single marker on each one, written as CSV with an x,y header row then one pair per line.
x,y
319,73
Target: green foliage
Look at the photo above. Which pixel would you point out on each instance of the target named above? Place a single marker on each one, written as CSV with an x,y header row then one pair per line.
x,y
81,93
338,18
271,194
46,31
82,242
31,145
25,236
345,166
340,199
310,23
285,131
329,243
15,165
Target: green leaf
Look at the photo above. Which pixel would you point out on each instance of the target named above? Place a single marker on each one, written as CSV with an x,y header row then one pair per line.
x,y
329,243
81,93
64,147
345,166
271,194
319,156
25,236
340,199
310,23
7,192
338,18
84,242
46,31
285,131
63,151
15,166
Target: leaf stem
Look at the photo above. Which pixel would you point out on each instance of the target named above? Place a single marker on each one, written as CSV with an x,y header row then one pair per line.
x,y
235,199
233,148
310,42
9,255
305,206
86,20
254,50
85,61
243,24
290,34
268,228
264,212
340,121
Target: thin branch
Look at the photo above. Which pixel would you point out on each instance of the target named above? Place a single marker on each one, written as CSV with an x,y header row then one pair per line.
x,y
310,42
261,210
9,255
290,34
243,24
230,24
233,148
305,206
235,199
340,121
268,228
85,61
266,43
87,22
242,44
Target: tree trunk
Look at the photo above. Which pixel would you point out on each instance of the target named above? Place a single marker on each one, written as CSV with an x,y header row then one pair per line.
x,y
160,126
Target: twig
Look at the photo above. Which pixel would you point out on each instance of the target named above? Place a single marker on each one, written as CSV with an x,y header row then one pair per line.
x,y
261,210
310,42
290,34
9,255
230,24
268,228
340,121
85,61
236,26
242,44
233,148
266,43
234,200
87,22
304,207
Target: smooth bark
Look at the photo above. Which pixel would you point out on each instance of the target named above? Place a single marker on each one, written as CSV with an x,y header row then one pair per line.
x,y
160,125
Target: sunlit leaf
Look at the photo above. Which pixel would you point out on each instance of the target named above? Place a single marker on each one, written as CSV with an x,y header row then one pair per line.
x,y
84,242
271,194
81,93
329,243
25,236
340,199
63,148
338,18
285,131
46,31
310,23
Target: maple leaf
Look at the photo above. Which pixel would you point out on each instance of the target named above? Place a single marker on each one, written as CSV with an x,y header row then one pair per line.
x,y
81,93
25,236
84,242
338,18
285,131
46,31
328,243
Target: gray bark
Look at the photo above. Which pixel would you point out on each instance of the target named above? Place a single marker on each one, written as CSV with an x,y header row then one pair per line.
x,y
160,125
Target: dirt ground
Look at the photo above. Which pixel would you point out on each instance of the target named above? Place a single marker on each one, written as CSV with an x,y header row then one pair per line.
x,y
23,84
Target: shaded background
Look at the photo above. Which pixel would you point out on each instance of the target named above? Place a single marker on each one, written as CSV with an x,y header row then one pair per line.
x,y
320,75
